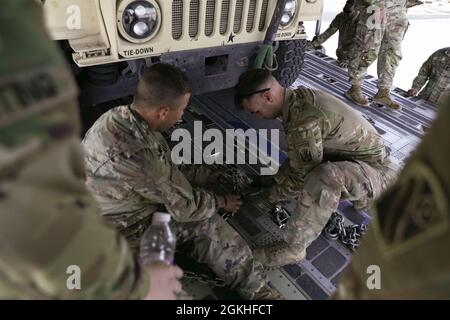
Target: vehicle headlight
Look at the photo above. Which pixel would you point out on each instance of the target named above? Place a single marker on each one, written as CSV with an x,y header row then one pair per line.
x,y
138,20
288,12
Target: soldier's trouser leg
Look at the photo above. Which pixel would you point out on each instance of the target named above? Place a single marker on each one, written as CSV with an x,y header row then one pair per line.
x,y
215,243
368,42
341,55
324,188
390,53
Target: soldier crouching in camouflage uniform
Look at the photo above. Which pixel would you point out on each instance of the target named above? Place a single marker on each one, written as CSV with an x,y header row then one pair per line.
x,y
131,174
380,31
50,226
345,22
333,154
435,71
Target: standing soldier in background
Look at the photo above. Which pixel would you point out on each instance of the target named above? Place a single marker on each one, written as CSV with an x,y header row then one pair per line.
x,y
413,3
410,4
380,31
407,244
345,22
49,223
435,71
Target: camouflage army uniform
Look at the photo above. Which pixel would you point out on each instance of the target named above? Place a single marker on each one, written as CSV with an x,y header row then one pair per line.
x,y
381,40
131,174
436,70
413,3
345,23
48,220
333,153
410,235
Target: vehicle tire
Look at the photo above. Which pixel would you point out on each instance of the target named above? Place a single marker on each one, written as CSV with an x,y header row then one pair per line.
x,y
290,56
106,74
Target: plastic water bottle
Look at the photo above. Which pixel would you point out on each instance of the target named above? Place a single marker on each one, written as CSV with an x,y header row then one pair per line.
x,y
158,241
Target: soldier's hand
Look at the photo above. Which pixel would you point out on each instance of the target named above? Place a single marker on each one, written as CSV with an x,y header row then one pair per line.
x,y
309,46
164,282
412,92
343,64
230,203
315,43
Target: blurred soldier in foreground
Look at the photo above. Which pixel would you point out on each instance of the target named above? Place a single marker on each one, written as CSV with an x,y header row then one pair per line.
x,y
408,240
380,31
333,154
131,173
345,22
49,223
435,73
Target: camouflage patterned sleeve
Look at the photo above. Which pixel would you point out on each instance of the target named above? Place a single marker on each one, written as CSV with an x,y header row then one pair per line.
x,y
305,151
332,29
424,74
159,180
367,2
55,244
196,174
287,184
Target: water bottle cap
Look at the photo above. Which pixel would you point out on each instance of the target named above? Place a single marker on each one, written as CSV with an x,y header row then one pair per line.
x,y
161,217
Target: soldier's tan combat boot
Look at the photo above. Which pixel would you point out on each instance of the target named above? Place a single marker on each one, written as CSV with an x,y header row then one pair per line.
x,y
280,254
355,94
268,293
383,97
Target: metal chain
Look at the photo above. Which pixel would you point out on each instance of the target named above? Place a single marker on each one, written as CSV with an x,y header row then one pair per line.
x,y
203,278
281,215
235,178
349,236
238,180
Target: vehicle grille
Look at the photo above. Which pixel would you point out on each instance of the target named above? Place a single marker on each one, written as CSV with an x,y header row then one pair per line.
x,y
218,17
251,15
177,19
238,16
209,23
224,16
194,14
262,20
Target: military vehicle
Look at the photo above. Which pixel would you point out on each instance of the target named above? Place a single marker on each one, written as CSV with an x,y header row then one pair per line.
x,y
213,41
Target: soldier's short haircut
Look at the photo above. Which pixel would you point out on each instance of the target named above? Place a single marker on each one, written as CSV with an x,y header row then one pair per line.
x,y
250,82
161,85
